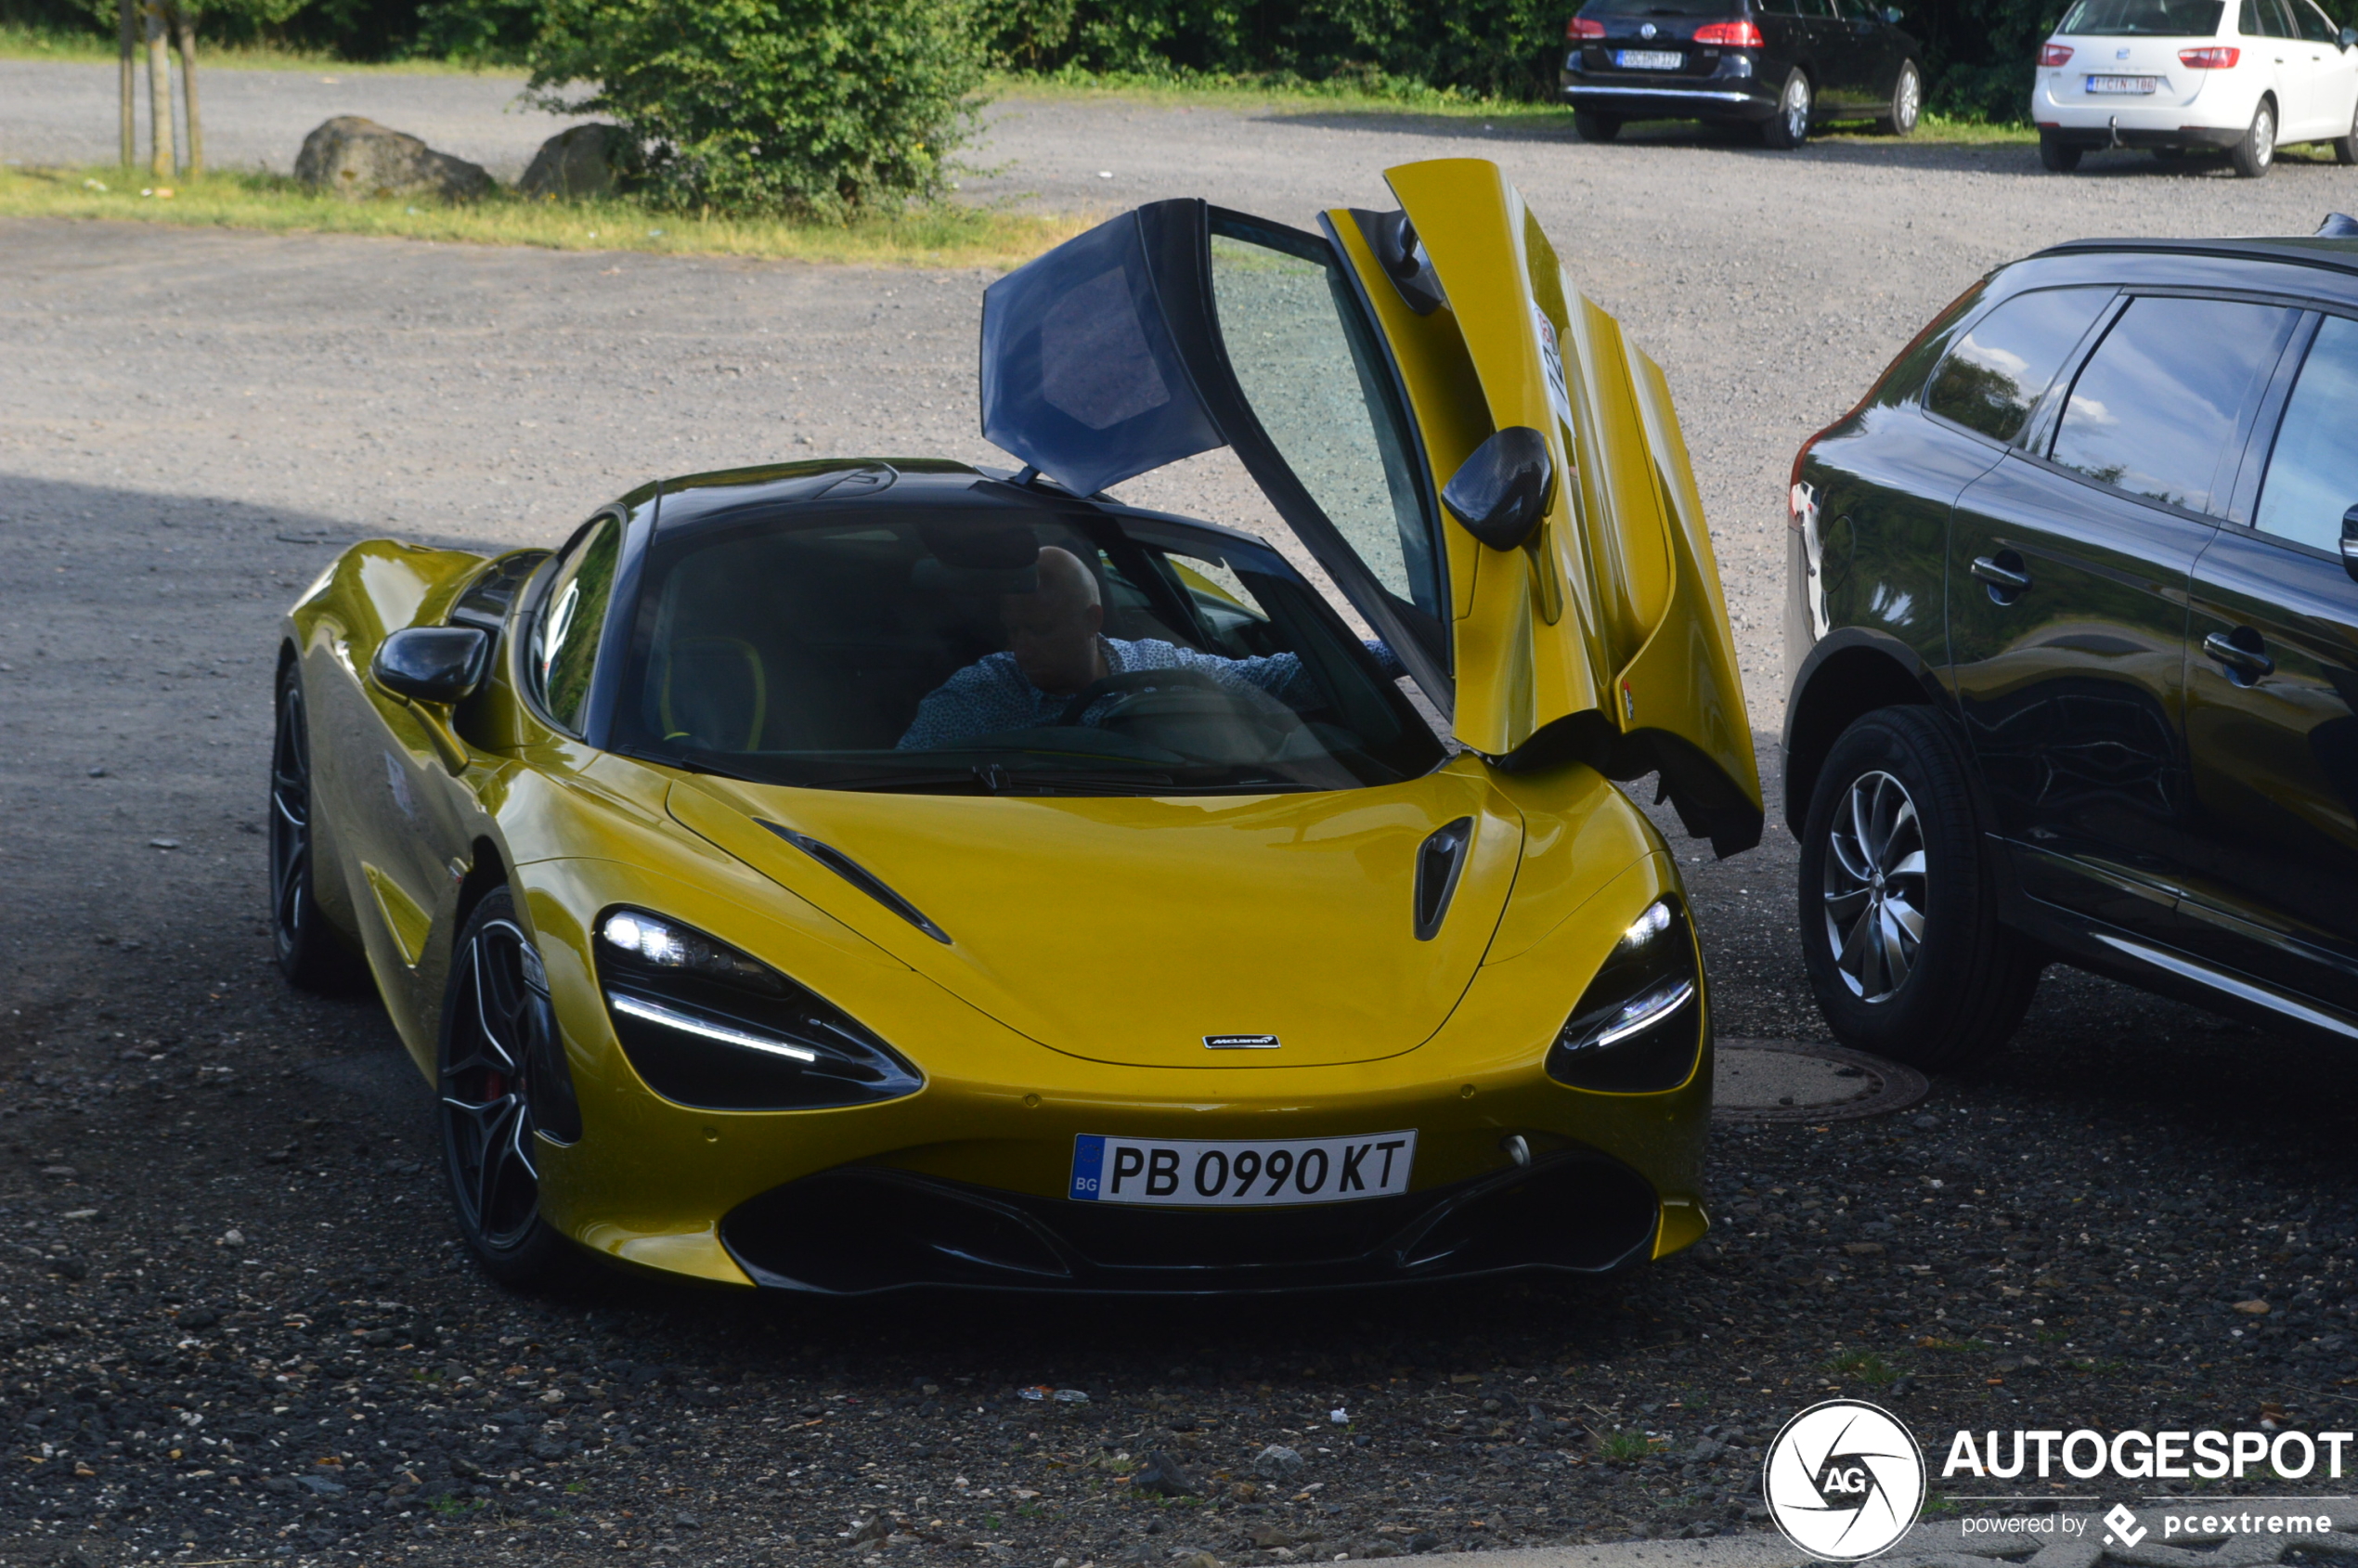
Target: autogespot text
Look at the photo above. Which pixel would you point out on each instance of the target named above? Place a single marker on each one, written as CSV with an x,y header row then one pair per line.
x,y
2143,1456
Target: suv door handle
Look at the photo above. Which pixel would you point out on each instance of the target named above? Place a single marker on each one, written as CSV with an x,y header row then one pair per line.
x,y
2248,663
2001,579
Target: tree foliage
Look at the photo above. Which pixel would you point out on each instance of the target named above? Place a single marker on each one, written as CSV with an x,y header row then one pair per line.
x,y
829,106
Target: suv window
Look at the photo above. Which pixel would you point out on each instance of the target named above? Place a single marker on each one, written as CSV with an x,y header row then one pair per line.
x,y
2312,473
1994,376
2313,23
2157,403
565,639
2260,19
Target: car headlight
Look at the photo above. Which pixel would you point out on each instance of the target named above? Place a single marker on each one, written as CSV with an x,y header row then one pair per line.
x,y
1639,1027
705,1024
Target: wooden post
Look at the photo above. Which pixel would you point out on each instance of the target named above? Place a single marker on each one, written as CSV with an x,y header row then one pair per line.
x,y
160,157
130,83
184,30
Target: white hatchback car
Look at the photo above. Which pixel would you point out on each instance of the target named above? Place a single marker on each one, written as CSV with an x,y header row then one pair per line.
x,y
2182,75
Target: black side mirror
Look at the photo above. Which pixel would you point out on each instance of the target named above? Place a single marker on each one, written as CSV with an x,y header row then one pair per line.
x,y
2350,542
1502,492
1893,14
2348,36
433,664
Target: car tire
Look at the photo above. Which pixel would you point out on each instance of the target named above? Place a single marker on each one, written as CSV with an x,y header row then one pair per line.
x,y
2346,147
311,953
493,1005
1595,127
2057,156
1891,837
1789,127
2253,155
1907,102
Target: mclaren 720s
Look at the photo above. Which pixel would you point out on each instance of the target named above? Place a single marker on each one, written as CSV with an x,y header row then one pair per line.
x,y
846,876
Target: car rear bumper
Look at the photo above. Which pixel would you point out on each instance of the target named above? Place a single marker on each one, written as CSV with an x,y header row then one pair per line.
x,y
863,1229
1632,101
2126,134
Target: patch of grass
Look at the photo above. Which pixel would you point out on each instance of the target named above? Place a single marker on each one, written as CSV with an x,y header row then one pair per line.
x,y
22,42
1623,1447
1935,1342
1863,1366
944,235
1376,95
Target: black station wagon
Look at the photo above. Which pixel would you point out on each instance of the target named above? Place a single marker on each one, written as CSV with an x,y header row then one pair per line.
x,y
1781,66
2074,647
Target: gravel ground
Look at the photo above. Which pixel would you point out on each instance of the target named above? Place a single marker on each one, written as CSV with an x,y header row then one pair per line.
x,y
229,1293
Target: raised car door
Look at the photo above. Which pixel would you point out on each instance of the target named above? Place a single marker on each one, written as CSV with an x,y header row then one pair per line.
x,y
2271,703
1357,373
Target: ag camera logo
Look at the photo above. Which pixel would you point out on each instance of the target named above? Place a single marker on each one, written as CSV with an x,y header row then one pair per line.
x,y
1844,1481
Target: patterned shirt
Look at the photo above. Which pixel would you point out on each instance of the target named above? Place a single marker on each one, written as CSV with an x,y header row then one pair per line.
x,y
992,694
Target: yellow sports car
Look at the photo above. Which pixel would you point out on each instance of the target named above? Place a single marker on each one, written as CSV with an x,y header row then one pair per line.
x,y
852,876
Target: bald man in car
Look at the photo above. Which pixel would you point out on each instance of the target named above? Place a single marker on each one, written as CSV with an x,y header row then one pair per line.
x,y
1056,648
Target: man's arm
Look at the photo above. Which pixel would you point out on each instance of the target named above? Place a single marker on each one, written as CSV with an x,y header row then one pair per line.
x,y
979,700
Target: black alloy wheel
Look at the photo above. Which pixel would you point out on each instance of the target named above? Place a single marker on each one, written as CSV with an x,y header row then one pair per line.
x,y
1595,127
1907,102
1900,931
2253,156
496,1019
310,952
1789,127
2055,155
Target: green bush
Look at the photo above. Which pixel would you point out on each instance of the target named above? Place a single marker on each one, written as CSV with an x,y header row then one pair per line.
x,y
772,106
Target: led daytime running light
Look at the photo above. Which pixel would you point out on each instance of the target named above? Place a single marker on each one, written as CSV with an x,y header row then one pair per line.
x,y
653,1014
1644,1013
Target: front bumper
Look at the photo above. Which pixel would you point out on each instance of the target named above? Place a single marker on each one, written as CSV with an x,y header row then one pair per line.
x,y
865,1229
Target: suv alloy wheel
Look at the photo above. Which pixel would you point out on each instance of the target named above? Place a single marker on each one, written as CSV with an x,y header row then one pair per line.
x,y
1898,922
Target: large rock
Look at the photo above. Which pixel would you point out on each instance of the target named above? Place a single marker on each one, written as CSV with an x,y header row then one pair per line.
x,y
584,161
359,160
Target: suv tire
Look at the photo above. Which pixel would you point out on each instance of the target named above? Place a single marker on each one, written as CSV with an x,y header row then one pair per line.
x,y
2055,155
2253,155
1907,102
2346,146
1789,127
1891,840
1595,127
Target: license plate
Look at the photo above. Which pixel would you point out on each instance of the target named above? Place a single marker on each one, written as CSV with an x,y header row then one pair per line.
x,y
1647,59
1201,1174
2124,83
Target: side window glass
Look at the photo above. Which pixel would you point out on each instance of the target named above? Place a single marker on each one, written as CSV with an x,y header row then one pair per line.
x,y
2312,473
2283,27
565,639
1997,370
2313,23
2247,20
1322,391
2157,403
1822,9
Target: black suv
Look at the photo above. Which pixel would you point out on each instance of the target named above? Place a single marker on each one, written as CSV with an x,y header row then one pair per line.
x,y
2073,643
1781,65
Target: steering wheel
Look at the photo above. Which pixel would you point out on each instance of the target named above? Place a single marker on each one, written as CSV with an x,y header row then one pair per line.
x,y
1134,680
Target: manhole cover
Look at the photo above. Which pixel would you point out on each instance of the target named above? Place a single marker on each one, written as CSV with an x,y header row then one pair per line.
x,y
1788,1081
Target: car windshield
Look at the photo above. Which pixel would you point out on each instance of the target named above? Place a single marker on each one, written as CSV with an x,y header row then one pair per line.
x,y
1003,647
2121,19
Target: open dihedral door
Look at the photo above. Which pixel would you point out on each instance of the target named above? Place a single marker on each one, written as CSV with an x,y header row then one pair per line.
x,y
1353,373
1605,635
